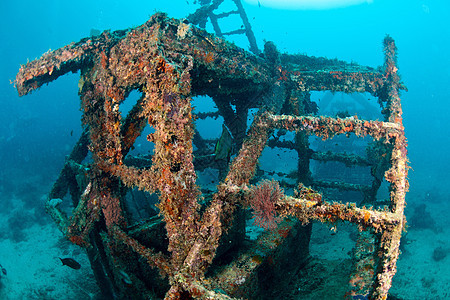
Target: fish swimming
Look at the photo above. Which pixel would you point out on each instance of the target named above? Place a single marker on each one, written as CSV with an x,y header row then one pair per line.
x,y
3,270
70,262
224,145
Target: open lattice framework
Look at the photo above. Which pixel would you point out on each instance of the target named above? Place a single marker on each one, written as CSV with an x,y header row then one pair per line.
x,y
170,61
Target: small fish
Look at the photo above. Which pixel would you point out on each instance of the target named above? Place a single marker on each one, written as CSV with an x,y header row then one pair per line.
x,y
70,262
3,270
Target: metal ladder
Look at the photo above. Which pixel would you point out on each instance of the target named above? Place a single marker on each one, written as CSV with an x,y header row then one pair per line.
x,y
206,11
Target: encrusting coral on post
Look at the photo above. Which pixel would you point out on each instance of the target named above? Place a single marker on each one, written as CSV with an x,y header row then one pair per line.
x,y
169,61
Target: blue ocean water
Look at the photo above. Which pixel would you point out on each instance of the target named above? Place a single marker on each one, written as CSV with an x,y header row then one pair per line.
x,y
37,131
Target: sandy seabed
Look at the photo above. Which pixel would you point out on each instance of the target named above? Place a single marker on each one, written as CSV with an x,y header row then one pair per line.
x,y
36,272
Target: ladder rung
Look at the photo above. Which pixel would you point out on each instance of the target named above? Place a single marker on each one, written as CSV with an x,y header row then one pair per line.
x,y
226,14
239,31
341,185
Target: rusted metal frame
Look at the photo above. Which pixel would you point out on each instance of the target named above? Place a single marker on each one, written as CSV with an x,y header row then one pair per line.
x,y
170,156
341,185
238,127
130,130
390,238
102,115
56,63
396,176
79,152
108,112
227,14
200,16
224,201
118,241
58,216
338,81
226,111
346,80
248,28
306,210
135,122
346,158
240,276
102,137
62,183
83,218
379,154
220,212
301,140
243,166
215,24
70,58
204,115
389,93
192,216
176,175
391,132
233,32
103,121
327,127
389,100
158,260
170,183
143,179
235,278
116,260
213,17
195,288
272,143
172,144
199,257
365,264
133,126
100,265
310,209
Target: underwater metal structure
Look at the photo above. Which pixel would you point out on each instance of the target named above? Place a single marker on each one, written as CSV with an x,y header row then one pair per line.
x,y
207,12
184,251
